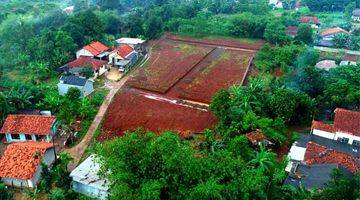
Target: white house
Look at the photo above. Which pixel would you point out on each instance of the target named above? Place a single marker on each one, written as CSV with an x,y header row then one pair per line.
x,y
85,86
346,127
21,163
99,67
326,64
356,15
123,56
85,179
94,50
19,128
136,43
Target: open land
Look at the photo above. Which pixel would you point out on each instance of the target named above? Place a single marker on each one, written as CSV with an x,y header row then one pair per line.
x,y
173,89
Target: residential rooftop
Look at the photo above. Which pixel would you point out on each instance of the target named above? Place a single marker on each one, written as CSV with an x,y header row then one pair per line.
x,y
73,80
29,124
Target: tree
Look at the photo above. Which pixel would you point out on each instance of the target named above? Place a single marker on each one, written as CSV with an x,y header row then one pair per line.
x,y
208,190
73,94
5,194
61,174
275,33
305,33
349,9
247,25
57,194
340,40
153,27
110,4
264,159
46,178
87,72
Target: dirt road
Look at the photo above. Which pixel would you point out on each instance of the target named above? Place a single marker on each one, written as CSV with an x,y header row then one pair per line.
x,y
77,151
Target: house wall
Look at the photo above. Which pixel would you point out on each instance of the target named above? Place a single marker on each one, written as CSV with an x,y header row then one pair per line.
x,y
89,191
88,88
346,135
13,182
324,134
356,18
83,52
23,138
63,88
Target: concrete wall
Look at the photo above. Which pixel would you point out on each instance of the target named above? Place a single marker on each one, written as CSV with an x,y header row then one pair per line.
x,y
89,191
88,88
83,52
324,134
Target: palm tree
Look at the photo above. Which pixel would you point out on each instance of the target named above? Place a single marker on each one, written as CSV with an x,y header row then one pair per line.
x,y
264,159
20,98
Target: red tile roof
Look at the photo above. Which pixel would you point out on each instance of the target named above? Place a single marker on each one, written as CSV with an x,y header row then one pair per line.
x,y
307,19
322,126
332,31
96,48
318,154
292,30
29,124
347,121
124,50
255,137
21,160
84,61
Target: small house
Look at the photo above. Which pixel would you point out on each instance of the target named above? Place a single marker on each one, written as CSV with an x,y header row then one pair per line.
x,y
123,56
257,138
356,15
327,36
291,31
94,50
75,67
19,128
313,21
326,65
86,179
85,86
21,163
136,43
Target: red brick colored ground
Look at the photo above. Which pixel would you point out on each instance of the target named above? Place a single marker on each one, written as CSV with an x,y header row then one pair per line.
x,y
129,111
219,70
225,42
169,62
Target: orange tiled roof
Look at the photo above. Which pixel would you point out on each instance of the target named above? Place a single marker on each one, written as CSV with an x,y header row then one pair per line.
x,y
255,136
21,160
29,124
332,31
322,126
124,50
318,154
96,48
83,61
307,19
347,121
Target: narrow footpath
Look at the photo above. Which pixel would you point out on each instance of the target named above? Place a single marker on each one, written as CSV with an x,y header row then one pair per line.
x,y
77,151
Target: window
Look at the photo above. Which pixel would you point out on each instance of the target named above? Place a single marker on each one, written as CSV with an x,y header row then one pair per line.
x,y
343,140
28,137
15,136
356,144
39,137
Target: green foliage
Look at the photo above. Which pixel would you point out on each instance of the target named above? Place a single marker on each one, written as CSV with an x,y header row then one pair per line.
x,y
46,178
61,175
5,194
275,33
326,5
247,25
305,34
73,94
87,72
57,194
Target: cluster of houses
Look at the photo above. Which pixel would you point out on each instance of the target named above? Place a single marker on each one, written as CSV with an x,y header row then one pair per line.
x,y
99,58
328,146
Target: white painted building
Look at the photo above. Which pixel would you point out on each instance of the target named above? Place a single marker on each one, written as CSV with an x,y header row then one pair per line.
x,y
136,43
94,50
86,179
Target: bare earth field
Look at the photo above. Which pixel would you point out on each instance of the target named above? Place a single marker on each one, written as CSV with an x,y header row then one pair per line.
x,y
174,87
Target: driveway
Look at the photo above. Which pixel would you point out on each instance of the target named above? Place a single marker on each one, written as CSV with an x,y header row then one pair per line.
x,y
77,151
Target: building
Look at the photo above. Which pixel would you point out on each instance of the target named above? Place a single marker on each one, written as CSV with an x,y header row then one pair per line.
x,y
123,57
276,4
356,15
257,138
18,128
85,86
326,65
313,21
346,127
292,31
76,66
327,36
21,163
136,43
94,50
69,10
85,179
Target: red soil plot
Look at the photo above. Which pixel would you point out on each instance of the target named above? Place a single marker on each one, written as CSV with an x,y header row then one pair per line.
x,y
169,62
218,41
130,110
220,70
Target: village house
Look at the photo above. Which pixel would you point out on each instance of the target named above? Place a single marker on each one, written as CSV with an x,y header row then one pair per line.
x,y
326,64
276,4
85,86
75,67
123,57
136,43
327,36
85,179
258,138
21,163
94,50
327,147
313,21
18,128
356,15
291,31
